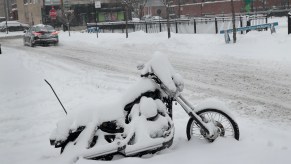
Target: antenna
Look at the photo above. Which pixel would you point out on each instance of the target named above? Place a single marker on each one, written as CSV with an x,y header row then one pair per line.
x,y
56,95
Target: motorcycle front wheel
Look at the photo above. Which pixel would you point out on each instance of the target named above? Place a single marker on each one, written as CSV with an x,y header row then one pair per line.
x,y
226,125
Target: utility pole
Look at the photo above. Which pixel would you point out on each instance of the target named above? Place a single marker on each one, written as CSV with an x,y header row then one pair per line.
x,y
126,19
179,8
233,22
62,6
7,15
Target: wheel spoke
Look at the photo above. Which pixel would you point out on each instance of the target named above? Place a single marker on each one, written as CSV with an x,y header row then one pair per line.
x,y
220,120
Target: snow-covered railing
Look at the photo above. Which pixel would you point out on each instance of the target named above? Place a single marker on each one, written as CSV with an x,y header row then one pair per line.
x,y
249,28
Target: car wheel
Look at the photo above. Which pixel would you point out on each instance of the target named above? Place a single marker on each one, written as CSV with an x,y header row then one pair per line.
x,y
31,43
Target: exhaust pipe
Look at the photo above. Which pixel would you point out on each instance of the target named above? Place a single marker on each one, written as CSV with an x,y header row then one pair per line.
x,y
132,152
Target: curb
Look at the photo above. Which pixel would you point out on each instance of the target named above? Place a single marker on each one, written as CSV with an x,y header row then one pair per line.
x,y
11,37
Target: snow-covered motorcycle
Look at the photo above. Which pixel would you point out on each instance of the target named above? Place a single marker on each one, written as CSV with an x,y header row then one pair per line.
x,y
141,121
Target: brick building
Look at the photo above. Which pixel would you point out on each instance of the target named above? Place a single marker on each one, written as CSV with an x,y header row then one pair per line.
x,y
211,7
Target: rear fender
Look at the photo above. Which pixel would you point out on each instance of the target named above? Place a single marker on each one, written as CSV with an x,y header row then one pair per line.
x,y
73,135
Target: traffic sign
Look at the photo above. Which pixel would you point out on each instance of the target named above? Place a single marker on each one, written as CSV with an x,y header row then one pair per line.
x,y
53,13
97,4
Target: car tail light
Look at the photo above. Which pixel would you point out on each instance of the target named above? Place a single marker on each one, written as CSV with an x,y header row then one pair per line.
x,y
36,33
55,33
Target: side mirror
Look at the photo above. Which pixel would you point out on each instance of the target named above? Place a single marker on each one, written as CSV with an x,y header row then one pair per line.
x,y
24,31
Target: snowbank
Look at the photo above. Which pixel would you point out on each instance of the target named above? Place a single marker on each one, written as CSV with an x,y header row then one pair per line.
x,y
251,77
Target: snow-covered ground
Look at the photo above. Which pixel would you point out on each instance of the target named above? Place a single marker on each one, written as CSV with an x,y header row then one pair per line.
x,y
253,78
4,35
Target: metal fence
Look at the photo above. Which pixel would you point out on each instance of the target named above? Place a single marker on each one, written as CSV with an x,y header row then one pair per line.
x,y
197,25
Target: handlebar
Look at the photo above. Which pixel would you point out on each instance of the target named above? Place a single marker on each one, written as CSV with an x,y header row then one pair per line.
x,y
152,76
166,90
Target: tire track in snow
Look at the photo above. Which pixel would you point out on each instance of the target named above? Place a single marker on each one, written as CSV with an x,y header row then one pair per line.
x,y
246,83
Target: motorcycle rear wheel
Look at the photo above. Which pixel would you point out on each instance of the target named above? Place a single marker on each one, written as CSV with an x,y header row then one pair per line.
x,y
227,126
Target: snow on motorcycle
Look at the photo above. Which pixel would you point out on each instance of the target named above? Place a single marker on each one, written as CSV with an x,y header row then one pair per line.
x,y
141,121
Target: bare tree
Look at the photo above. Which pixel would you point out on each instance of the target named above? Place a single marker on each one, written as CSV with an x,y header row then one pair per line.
x,y
65,17
233,22
128,5
138,7
167,5
141,5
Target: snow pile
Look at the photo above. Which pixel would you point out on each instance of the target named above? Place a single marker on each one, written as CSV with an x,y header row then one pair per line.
x,y
16,34
148,107
252,77
160,66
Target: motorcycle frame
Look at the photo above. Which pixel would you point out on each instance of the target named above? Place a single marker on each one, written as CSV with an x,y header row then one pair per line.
x,y
188,108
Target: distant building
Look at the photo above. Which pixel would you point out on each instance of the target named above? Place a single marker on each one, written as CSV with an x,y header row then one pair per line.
x,y
30,11
2,8
82,11
152,7
13,11
11,6
213,7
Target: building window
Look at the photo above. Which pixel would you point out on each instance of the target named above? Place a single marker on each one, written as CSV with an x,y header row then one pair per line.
x,y
25,2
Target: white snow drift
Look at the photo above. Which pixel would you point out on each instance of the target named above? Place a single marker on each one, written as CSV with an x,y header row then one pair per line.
x,y
252,77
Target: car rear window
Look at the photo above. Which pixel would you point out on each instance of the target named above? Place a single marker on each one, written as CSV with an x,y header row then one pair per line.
x,y
44,28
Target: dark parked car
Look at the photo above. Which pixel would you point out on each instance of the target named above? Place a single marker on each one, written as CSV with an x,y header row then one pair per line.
x,y
41,34
13,26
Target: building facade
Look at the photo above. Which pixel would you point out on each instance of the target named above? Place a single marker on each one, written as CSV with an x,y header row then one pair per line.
x,y
81,11
11,8
30,11
2,8
214,7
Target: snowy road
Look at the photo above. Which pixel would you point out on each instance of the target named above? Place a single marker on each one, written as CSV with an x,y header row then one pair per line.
x,y
252,77
247,83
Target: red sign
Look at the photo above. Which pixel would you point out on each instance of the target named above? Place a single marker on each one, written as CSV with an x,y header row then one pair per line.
x,y
53,13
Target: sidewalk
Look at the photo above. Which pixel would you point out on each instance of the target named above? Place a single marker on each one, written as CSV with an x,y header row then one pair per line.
x,y
11,35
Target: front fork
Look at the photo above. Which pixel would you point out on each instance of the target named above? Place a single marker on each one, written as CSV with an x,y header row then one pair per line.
x,y
209,128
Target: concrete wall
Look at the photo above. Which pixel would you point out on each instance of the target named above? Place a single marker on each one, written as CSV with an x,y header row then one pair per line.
x,y
30,13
